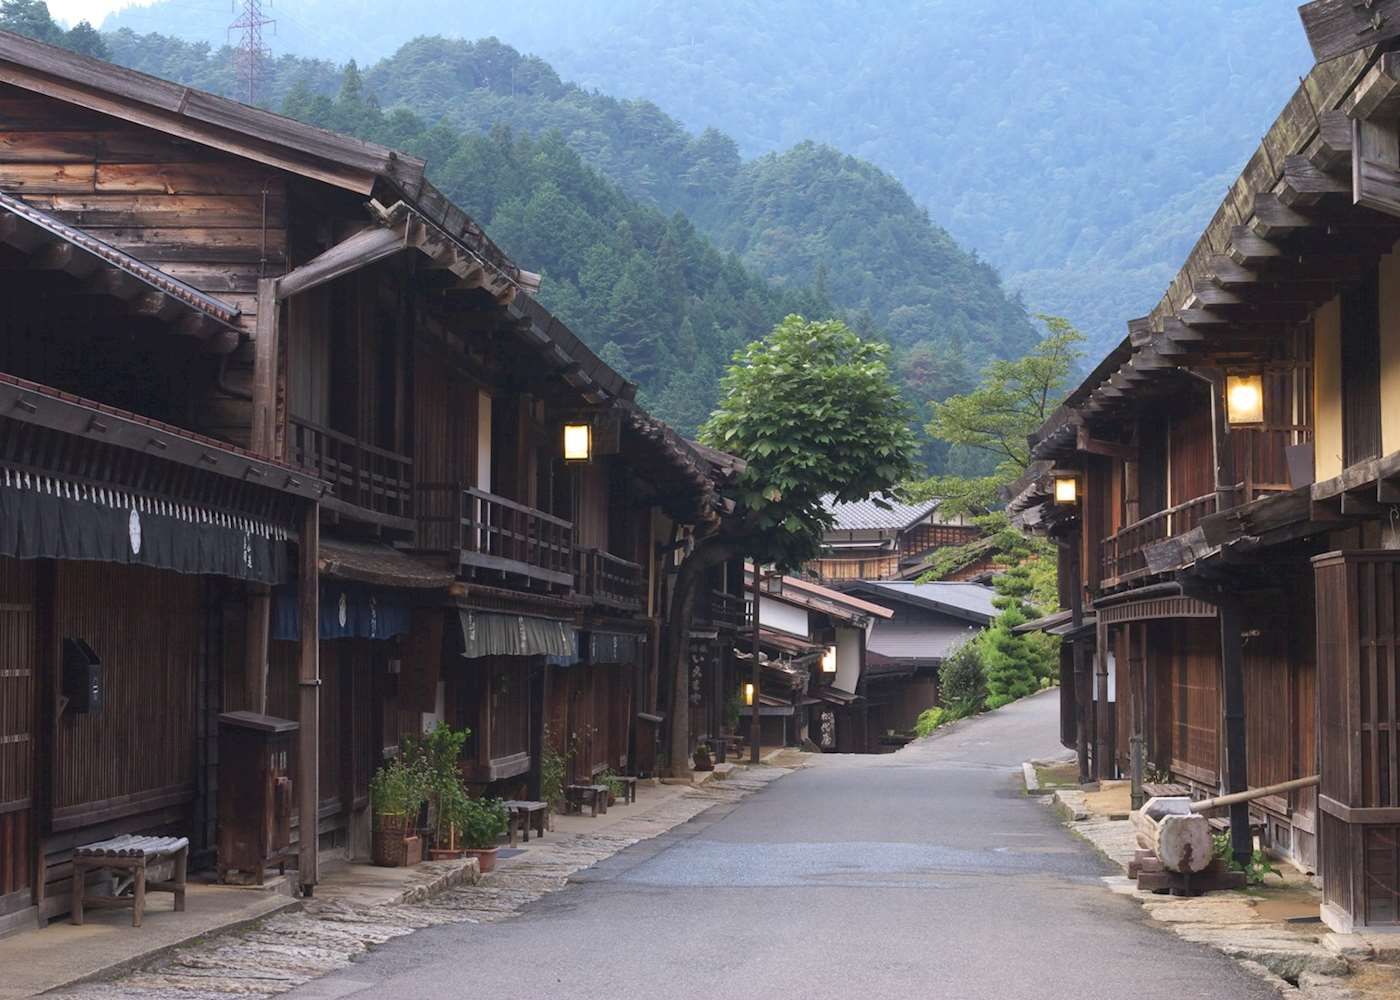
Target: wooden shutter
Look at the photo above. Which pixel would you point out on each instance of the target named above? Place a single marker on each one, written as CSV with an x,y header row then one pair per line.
x,y
1361,371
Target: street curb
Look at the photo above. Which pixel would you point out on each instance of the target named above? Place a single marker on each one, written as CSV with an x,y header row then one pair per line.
x,y
125,965
1068,812
1033,786
468,871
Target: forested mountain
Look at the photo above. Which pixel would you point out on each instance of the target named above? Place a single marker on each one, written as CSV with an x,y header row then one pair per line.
x,y
1079,146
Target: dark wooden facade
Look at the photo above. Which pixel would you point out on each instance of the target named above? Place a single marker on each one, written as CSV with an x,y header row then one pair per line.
x,y
218,317
1250,588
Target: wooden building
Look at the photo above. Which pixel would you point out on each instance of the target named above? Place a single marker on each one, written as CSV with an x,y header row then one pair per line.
x,y
1229,546
904,651
277,410
882,538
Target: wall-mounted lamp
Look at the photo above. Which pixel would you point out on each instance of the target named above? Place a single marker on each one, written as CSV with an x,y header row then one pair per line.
x,y
748,693
829,660
1244,399
578,442
1066,490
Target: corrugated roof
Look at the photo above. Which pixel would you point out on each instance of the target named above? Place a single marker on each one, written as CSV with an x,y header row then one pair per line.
x,y
972,601
867,514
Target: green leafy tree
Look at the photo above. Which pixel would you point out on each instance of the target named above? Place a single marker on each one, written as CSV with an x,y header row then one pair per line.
x,y
30,18
812,410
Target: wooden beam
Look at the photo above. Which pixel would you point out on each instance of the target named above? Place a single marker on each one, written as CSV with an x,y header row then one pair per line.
x,y
1304,184
1248,247
1337,27
1085,442
1332,151
1272,218
116,283
347,256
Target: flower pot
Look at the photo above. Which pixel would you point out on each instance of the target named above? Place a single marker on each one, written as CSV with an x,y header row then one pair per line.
x,y
705,763
485,857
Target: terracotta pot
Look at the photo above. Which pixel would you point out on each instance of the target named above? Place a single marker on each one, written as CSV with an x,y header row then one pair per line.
x,y
485,857
706,763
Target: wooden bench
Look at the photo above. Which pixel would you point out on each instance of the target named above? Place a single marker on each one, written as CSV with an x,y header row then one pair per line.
x,y
523,815
129,854
629,787
593,796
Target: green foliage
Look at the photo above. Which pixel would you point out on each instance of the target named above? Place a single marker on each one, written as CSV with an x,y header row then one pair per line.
x,y
609,778
31,17
484,822
962,677
399,788
1258,868
929,720
435,755
812,410
1013,399
553,766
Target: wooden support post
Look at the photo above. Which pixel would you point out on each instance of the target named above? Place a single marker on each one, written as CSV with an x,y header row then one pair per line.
x,y
1081,670
1236,765
1103,765
755,723
1137,678
257,626
309,683
265,355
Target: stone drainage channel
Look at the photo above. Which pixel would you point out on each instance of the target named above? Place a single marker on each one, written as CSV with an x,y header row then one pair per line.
x,y
293,948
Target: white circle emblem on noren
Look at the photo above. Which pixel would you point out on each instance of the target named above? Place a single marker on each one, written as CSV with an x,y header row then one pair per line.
x,y
133,531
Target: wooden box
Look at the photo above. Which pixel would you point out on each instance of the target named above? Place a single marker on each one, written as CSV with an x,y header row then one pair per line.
x,y
1358,681
256,756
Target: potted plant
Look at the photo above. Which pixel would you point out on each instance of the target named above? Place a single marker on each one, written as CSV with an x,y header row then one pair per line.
x,y
437,754
703,760
553,768
397,794
483,823
614,785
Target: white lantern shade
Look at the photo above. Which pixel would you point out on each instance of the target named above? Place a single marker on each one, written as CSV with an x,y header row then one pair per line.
x,y
1066,489
1244,399
829,660
578,442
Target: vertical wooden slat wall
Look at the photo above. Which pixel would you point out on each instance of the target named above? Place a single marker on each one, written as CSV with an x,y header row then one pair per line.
x,y
17,731
1358,683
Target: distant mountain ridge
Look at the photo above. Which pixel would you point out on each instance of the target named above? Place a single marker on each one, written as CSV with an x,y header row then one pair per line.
x,y
1080,147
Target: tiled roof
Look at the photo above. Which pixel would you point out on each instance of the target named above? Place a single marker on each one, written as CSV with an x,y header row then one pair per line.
x,y
918,642
867,514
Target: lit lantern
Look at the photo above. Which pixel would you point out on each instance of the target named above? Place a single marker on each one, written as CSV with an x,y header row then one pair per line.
x,y
748,693
829,660
1066,489
578,442
1244,399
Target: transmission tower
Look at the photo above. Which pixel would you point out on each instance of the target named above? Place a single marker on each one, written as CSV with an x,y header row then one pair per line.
x,y
250,51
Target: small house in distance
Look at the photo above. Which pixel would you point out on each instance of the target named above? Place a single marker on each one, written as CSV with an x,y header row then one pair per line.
x,y
881,538
904,652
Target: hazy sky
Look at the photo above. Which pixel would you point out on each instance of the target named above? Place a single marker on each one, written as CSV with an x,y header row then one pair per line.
x,y
74,11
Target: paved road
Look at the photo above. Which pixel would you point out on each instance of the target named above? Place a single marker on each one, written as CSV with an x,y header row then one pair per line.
x,y
920,874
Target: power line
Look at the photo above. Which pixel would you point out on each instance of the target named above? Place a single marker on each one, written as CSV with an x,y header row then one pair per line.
x,y
251,52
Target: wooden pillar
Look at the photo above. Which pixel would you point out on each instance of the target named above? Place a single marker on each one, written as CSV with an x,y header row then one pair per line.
x,y
309,685
1103,765
265,355
1137,691
48,662
755,722
1132,493
257,625
1081,669
1236,764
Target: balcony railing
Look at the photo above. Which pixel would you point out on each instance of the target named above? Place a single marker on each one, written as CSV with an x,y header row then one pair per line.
x,y
1261,456
363,475
607,580
493,533
1123,557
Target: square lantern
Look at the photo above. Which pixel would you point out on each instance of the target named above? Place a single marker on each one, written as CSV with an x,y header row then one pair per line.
x,y
748,693
1066,490
1244,399
829,660
578,442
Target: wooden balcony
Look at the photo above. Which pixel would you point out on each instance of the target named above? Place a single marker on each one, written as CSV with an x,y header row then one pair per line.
x,y
609,581
1261,458
374,480
491,532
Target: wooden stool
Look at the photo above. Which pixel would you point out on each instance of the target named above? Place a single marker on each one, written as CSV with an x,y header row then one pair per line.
x,y
525,814
129,854
629,788
593,796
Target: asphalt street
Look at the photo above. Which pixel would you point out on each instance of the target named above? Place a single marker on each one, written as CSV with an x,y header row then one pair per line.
x,y
926,873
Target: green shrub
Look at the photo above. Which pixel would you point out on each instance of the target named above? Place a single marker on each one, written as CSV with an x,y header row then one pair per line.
x,y
609,778
553,765
483,823
962,677
1257,868
399,788
929,720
